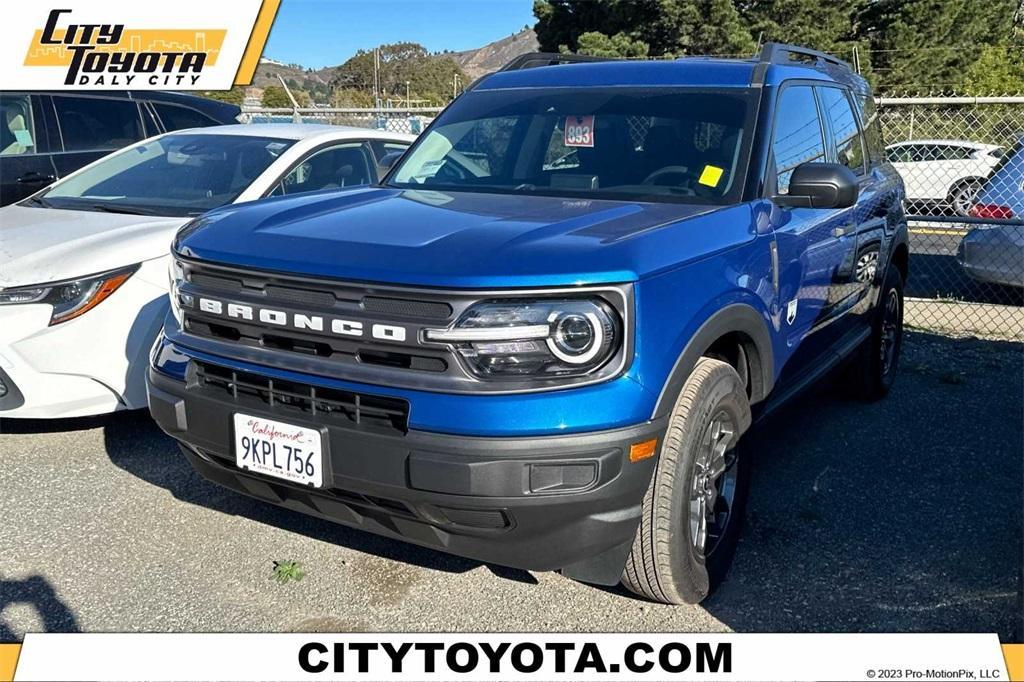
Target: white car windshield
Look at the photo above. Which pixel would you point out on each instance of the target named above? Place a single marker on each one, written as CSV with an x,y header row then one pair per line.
x,y
175,175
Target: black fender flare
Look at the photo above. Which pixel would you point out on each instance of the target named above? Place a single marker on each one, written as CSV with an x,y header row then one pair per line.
x,y
736,317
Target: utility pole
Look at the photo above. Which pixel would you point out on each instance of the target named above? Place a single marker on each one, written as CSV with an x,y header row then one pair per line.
x,y
408,100
376,77
296,118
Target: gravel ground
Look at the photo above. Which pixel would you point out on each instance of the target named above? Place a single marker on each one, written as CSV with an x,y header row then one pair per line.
x,y
903,515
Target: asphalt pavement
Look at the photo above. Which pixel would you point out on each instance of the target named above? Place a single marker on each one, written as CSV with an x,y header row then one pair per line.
x,y
903,515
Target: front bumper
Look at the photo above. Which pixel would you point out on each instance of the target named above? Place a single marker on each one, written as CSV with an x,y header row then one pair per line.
x,y
567,502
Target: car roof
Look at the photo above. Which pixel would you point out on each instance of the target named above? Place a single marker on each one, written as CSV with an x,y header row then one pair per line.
x,y
296,131
225,109
684,71
958,143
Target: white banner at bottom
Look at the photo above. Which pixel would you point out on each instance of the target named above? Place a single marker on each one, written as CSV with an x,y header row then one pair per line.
x,y
514,656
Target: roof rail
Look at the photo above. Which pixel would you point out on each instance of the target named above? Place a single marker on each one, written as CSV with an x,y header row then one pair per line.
x,y
781,53
534,59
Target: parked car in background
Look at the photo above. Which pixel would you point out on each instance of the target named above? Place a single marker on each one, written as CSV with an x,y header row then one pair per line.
x,y
83,264
946,171
47,135
995,253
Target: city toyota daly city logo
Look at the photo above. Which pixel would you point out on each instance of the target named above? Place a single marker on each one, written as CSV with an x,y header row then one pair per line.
x,y
112,54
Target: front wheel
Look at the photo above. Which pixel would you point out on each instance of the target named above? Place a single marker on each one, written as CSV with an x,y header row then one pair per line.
x,y
694,505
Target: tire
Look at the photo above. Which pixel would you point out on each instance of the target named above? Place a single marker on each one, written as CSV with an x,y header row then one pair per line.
x,y
665,563
961,197
874,370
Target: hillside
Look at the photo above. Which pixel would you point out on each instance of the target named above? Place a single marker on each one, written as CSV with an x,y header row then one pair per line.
x,y
269,69
474,63
493,56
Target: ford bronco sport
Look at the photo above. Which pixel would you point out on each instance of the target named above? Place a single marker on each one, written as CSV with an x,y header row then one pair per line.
x,y
538,341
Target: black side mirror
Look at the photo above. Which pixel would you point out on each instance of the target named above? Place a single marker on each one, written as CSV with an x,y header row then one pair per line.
x,y
386,162
820,185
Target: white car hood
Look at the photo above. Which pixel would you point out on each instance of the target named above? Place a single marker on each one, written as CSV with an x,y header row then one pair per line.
x,y
39,245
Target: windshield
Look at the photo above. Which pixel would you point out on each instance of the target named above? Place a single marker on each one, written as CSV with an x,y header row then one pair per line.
x,y
175,175
654,144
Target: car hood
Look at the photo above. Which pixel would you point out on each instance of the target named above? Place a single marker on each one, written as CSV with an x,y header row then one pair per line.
x,y
39,245
446,239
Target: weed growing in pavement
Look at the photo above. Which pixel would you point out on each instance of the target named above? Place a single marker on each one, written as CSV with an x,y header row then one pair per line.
x,y
286,571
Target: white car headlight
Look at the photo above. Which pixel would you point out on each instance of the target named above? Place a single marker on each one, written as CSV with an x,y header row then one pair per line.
x,y
70,298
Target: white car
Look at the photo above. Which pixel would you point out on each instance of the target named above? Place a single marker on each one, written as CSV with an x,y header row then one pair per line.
x,y
83,263
948,171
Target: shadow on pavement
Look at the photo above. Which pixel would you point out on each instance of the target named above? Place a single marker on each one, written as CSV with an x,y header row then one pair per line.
x,y
36,592
161,463
902,515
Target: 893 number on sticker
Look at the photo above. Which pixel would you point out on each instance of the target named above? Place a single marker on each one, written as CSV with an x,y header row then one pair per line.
x,y
286,451
579,131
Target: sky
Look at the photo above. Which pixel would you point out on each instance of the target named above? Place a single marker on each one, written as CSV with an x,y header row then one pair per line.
x,y
318,33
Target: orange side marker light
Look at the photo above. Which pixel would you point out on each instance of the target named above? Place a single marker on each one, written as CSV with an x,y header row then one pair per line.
x,y
643,450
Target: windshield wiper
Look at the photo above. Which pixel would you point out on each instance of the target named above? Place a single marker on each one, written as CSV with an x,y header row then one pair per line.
x,y
128,210
39,201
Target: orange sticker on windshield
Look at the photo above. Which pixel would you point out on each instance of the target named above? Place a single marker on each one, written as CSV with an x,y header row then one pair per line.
x,y
579,131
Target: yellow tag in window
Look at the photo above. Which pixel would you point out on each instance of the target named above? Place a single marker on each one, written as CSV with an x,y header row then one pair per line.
x,y
711,176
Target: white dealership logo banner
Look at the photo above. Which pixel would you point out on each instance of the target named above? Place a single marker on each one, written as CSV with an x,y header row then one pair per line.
x,y
512,656
120,45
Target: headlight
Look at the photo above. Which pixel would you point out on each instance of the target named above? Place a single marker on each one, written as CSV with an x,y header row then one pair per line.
x,y
536,338
175,277
70,298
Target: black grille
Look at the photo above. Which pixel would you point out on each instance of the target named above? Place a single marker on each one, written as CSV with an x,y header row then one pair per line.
x,y
407,307
370,412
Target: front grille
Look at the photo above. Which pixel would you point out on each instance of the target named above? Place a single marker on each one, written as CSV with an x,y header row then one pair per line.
x,y
330,405
327,300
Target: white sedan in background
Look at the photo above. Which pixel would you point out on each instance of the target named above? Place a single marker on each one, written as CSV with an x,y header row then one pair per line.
x,y
83,263
947,171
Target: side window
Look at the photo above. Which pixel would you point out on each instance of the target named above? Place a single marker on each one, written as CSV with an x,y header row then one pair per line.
x,y
97,123
797,138
17,125
175,117
900,154
343,165
872,129
845,134
955,153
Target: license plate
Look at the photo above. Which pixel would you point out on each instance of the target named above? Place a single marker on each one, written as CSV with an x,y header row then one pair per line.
x,y
286,451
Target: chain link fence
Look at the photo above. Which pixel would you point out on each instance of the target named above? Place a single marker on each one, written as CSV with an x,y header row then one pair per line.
x,y
962,162
963,168
410,120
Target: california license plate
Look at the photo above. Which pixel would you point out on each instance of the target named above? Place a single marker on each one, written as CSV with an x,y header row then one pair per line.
x,y
285,451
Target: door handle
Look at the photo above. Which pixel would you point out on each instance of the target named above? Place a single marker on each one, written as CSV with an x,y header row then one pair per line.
x,y
33,177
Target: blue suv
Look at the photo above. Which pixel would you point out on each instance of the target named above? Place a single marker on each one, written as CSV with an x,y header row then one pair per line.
x,y
538,341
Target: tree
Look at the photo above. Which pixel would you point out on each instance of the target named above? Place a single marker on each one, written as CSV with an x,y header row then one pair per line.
x,y
995,73
350,97
275,97
668,27
235,95
827,25
428,76
923,45
600,45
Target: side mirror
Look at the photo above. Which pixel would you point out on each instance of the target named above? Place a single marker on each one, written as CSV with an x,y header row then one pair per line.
x,y
386,162
820,185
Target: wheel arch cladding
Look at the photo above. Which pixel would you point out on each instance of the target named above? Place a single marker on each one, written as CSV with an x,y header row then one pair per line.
x,y
901,259
738,325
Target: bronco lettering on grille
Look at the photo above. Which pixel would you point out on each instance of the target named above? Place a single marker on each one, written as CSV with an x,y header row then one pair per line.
x,y
301,321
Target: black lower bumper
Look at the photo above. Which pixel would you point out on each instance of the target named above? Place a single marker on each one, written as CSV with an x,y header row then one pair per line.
x,y
569,503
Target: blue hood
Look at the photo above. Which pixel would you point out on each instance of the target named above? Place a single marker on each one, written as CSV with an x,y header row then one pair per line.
x,y
456,239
